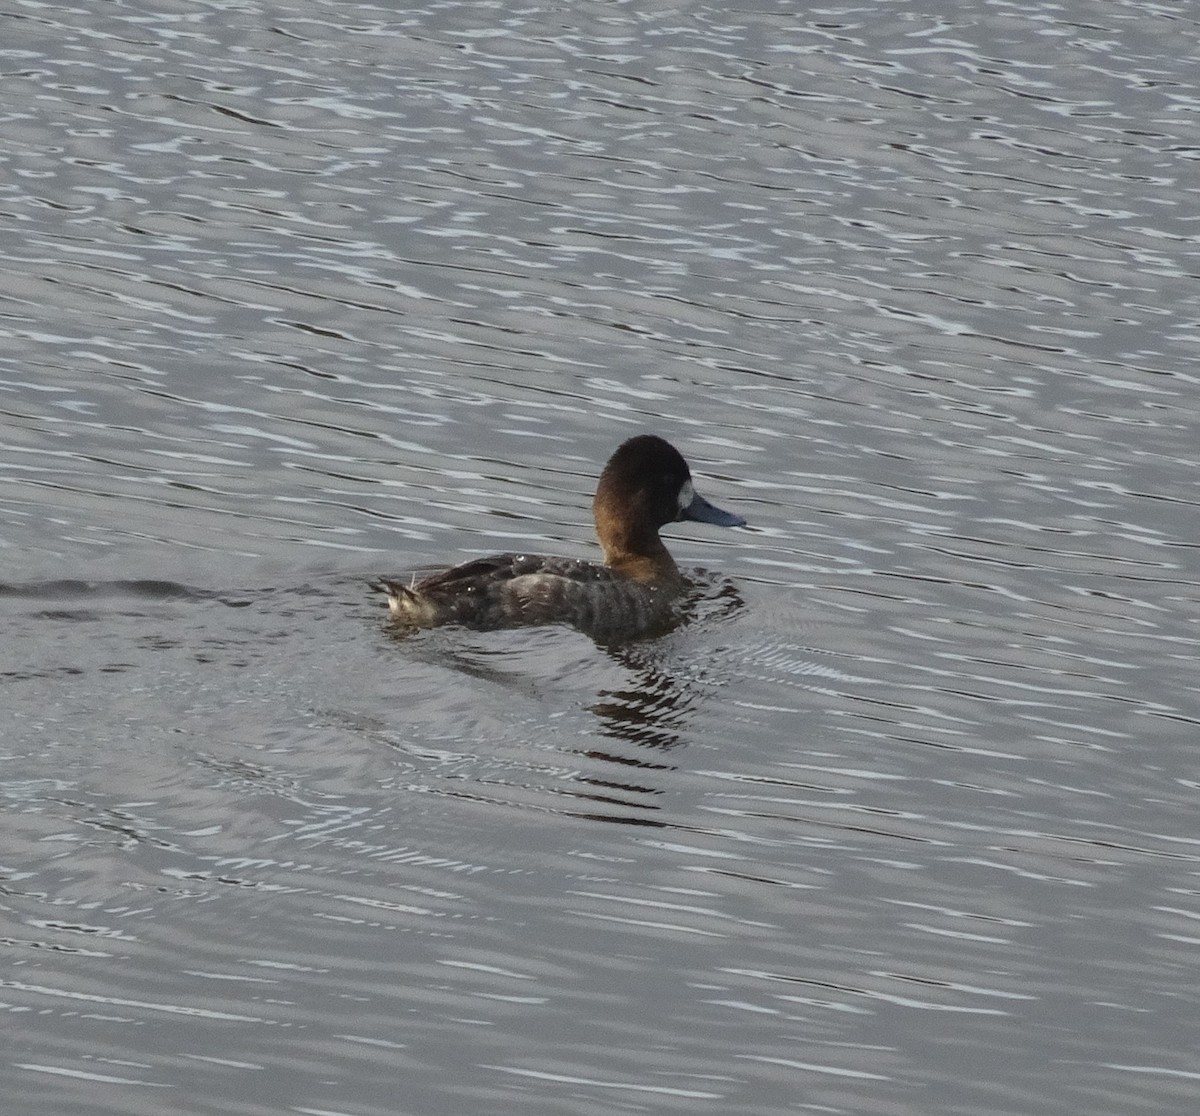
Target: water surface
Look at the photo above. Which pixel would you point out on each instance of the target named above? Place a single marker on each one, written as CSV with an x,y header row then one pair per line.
x,y
902,821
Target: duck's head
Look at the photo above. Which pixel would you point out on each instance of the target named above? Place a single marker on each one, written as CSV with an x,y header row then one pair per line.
x,y
646,485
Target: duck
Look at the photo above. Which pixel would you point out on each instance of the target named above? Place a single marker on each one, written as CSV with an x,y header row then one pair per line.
x,y
636,590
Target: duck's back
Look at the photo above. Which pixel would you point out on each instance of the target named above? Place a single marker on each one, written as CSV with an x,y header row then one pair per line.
x,y
514,590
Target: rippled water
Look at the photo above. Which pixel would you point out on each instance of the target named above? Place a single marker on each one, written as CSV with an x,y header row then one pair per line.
x,y
903,821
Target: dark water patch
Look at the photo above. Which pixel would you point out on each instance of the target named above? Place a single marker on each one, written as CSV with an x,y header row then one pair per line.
x,y
74,589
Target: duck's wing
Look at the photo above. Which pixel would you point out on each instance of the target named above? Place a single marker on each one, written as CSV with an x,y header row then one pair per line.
x,y
511,590
496,569
495,591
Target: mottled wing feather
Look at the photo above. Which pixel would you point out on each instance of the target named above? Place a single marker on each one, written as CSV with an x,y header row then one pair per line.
x,y
507,590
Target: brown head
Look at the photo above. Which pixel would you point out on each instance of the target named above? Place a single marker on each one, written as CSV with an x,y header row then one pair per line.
x,y
646,485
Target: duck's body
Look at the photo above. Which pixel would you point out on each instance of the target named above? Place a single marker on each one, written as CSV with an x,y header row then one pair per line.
x,y
645,485
516,590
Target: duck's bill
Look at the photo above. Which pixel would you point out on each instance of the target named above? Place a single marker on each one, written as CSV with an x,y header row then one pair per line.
x,y
703,512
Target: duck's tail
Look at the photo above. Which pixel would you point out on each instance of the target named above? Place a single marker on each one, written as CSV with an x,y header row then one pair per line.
x,y
404,601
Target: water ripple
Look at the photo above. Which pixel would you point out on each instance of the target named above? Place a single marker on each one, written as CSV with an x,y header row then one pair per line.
x,y
293,297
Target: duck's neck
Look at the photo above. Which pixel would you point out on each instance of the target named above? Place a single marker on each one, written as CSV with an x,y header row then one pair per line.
x,y
640,557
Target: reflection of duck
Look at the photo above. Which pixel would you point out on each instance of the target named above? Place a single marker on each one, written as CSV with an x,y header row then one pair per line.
x,y
645,485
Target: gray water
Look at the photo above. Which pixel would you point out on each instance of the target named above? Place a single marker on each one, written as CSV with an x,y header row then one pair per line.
x,y
904,821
